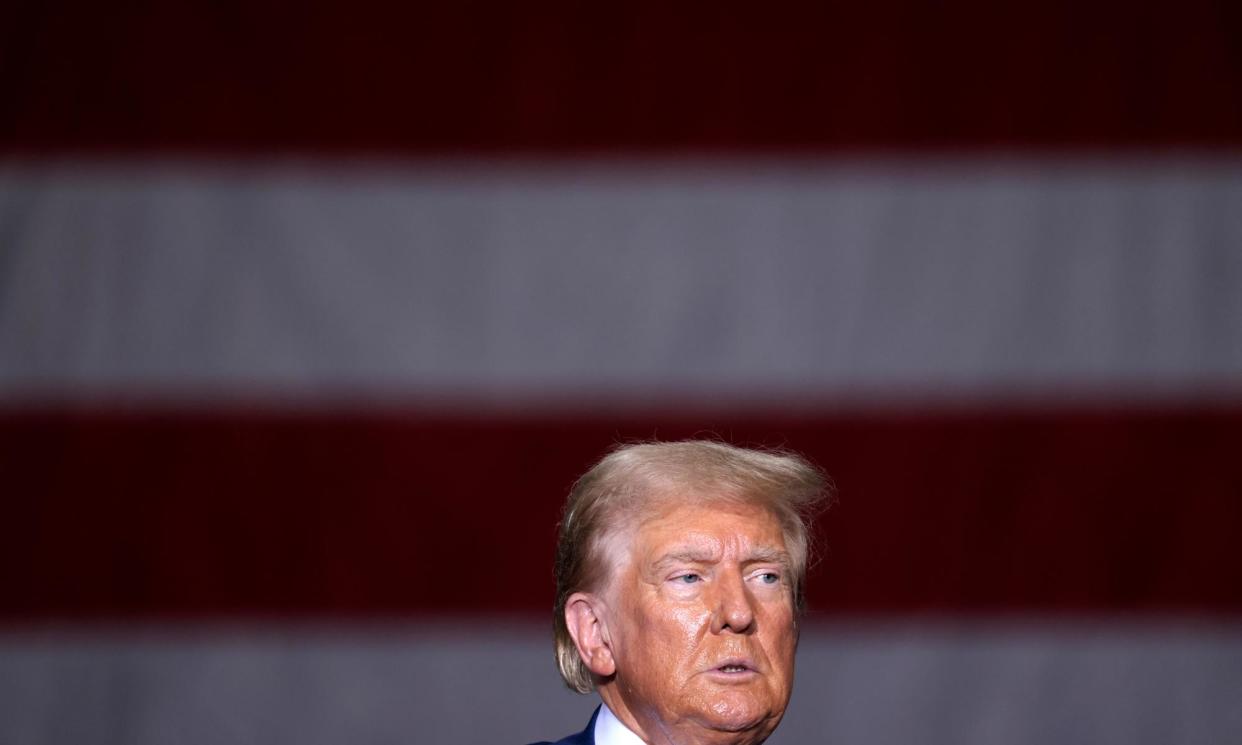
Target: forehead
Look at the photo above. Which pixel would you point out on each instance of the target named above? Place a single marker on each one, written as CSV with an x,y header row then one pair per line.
x,y
705,528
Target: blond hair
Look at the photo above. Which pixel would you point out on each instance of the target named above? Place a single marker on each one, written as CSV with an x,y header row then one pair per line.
x,y
617,488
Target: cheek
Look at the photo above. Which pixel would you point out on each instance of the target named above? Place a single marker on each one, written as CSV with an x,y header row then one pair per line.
x,y
787,646
681,632
670,639
690,621
782,641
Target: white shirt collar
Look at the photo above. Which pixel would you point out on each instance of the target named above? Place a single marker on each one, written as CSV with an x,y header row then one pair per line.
x,y
610,731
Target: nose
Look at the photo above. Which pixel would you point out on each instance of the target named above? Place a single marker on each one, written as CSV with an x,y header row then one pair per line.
x,y
735,611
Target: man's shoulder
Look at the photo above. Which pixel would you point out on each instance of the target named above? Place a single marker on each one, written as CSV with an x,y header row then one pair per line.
x,y
585,737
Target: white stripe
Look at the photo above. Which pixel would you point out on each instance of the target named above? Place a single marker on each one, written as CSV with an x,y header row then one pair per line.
x,y
982,684
838,277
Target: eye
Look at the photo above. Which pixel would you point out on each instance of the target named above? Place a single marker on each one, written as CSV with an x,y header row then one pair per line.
x,y
769,578
687,579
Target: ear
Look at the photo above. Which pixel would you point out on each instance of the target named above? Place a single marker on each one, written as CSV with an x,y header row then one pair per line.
x,y
586,619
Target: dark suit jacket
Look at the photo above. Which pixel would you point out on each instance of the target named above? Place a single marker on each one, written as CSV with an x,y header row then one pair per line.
x,y
585,737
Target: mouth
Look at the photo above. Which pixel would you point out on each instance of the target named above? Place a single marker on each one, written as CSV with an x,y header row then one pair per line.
x,y
735,667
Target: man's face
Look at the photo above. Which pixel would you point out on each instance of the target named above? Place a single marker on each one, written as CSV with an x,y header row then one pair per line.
x,y
702,624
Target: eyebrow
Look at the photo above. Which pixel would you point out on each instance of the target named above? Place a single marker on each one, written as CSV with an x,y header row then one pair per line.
x,y
768,556
691,556
700,556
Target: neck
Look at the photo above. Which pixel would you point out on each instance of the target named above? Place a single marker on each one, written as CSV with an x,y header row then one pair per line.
x,y
653,730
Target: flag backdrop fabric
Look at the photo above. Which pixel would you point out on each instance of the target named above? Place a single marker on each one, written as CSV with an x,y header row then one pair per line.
x,y
309,318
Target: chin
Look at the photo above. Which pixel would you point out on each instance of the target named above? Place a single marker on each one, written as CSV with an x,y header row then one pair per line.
x,y
741,711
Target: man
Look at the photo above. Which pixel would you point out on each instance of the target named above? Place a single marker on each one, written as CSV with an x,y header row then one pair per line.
x,y
679,574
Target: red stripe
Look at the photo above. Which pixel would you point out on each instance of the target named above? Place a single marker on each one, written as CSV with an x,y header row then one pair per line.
x,y
261,76
255,512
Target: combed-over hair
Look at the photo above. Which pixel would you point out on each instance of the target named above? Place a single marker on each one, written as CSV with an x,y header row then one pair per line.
x,y
617,488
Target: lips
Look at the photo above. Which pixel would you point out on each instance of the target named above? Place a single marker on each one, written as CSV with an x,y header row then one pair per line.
x,y
735,666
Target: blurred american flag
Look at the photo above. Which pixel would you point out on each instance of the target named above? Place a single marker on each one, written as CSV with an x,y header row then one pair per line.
x,y
309,317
